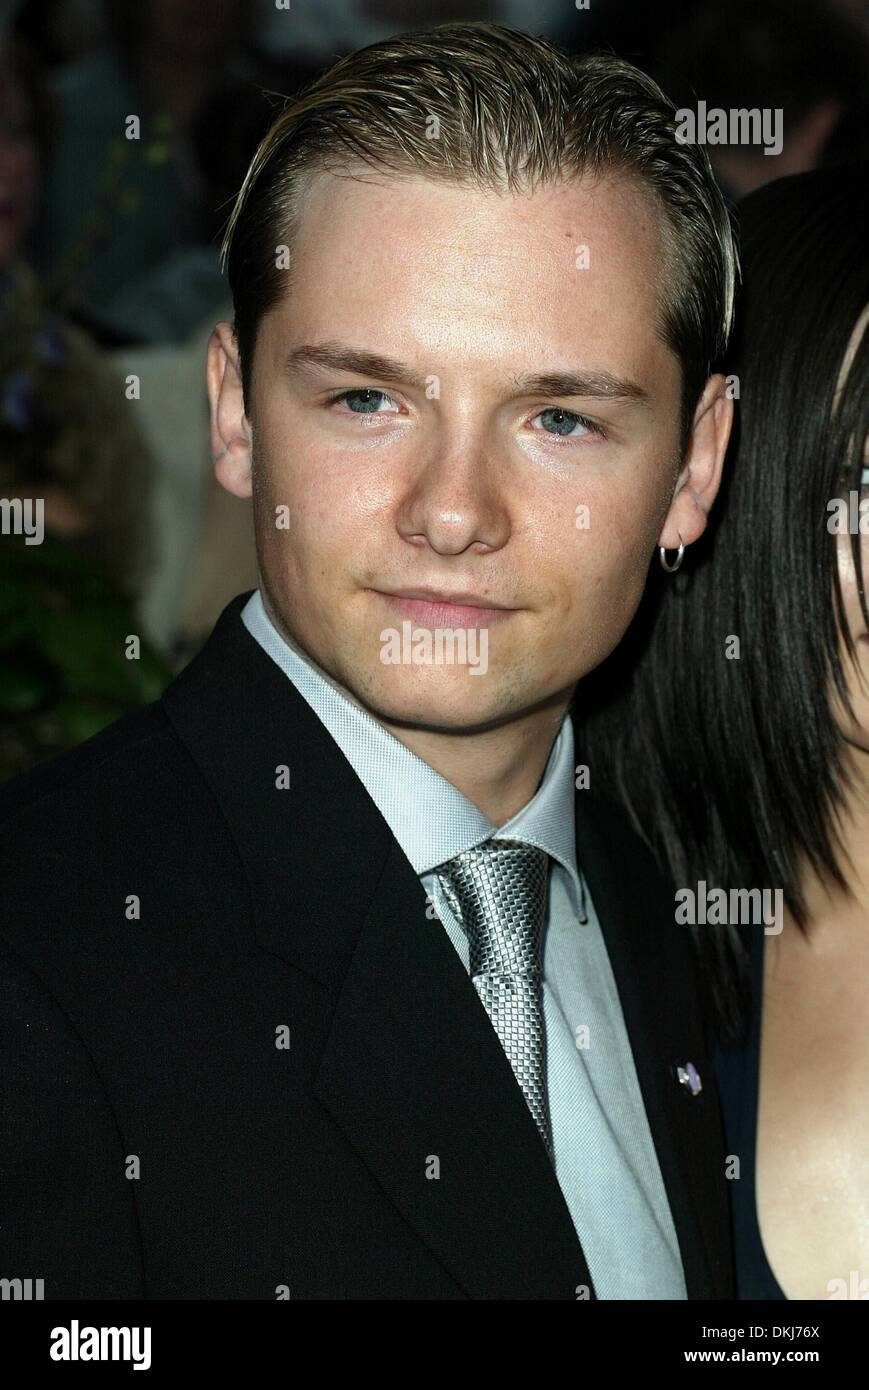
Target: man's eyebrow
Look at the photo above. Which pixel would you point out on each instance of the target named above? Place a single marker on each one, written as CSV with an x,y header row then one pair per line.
x,y
339,357
599,384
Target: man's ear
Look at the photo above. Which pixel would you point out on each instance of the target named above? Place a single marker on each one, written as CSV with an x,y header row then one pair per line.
x,y
700,475
231,433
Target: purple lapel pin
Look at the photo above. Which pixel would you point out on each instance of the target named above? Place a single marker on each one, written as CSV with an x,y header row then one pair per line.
x,y
689,1076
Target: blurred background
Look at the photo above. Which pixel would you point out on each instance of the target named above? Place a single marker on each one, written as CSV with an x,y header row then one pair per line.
x,y
110,283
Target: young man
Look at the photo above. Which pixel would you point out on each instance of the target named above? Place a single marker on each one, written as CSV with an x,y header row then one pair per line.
x,y
327,976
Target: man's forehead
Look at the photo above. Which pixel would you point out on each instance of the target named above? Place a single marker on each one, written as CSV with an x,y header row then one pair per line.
x,y
534,298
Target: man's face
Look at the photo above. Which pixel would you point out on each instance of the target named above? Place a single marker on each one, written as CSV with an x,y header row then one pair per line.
x,y
466,479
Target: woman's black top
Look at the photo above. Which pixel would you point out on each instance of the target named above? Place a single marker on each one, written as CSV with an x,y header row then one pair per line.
x,y
737,1073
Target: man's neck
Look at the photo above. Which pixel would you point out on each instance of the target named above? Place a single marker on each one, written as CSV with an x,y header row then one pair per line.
x,y
498,769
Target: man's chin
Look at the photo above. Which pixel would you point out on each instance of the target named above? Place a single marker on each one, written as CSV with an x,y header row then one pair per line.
x,y
447,709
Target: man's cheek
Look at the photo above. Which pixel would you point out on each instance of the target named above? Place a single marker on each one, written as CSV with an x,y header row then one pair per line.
x,y
615,590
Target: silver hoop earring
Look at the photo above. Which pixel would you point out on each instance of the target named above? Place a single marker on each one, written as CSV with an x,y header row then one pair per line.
x,y
671,569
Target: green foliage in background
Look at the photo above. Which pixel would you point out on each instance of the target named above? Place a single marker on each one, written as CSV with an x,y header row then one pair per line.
x,y
64,673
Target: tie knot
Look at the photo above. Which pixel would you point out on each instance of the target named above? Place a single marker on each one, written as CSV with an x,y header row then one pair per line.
x,y
498,892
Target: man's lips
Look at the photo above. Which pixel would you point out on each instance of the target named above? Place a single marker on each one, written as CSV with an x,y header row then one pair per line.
x,y
434,609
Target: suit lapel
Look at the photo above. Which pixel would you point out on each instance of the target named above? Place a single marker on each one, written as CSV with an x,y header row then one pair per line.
x,y
414,1074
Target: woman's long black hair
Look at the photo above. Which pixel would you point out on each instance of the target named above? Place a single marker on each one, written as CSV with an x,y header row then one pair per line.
x,y
732,769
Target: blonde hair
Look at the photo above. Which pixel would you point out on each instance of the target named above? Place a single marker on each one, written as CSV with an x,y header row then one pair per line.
x,y
486,106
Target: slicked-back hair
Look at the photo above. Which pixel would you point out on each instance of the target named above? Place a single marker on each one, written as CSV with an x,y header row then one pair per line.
x,y
732,769
484,106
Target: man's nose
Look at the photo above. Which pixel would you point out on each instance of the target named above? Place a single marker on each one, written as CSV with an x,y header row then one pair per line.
x,y
455,499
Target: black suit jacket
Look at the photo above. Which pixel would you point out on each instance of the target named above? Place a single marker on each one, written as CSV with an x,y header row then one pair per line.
x,y
158,1144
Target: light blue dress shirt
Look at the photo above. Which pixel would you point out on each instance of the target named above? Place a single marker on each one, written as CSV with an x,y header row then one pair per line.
x,y
605,1160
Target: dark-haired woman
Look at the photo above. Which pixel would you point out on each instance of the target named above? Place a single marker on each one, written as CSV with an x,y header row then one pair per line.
x,y
736,730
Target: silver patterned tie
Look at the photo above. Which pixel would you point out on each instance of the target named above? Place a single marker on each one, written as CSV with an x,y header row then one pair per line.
x,y
498,894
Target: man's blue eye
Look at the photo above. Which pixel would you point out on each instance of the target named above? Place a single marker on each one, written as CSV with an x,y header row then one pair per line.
x,y
368,397
565,421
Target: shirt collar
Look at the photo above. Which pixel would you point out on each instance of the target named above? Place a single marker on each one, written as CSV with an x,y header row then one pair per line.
x,y
430,818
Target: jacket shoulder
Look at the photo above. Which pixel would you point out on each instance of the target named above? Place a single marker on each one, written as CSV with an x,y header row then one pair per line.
x,y
126,813
99,759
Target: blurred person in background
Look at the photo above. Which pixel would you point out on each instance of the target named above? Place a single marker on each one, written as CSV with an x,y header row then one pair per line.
x,y
68,436
127,240
126,232
748,768
809,60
